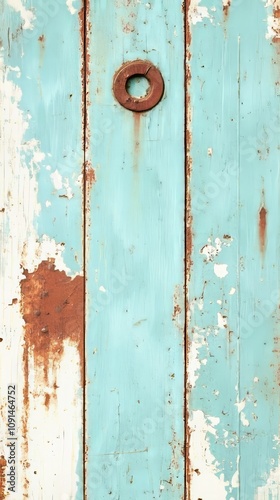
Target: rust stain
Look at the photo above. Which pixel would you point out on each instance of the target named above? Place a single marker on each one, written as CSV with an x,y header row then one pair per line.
x,y
262,228
136,133
90,175
276,15
3,465
188,236
53,310
41,40
85,34
226,7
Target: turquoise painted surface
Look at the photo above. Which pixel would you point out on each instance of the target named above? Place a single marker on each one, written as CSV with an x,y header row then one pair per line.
x,y
235,152
134,347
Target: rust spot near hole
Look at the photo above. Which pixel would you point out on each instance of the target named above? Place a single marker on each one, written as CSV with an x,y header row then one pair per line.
x,y
262,228
41,38
3,465
136,132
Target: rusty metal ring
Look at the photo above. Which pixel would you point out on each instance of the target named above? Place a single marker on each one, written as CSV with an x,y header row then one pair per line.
x,y
136,68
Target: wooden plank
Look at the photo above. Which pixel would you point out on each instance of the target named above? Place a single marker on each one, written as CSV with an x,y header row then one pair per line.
x,y
234,284
41,249
135,267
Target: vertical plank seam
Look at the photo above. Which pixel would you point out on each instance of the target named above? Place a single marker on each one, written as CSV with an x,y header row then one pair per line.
x,y
85,123
187,167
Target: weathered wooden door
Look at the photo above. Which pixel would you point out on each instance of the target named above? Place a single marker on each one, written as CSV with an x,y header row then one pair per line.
x,y
139,198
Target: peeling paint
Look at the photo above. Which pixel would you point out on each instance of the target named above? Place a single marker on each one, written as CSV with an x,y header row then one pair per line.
x,y
221,270
273,20
206,482
23,253
197,13
27,15
271,490
71,7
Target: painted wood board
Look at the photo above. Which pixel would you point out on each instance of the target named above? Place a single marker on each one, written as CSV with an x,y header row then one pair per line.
x,y
41,266
233,367
135,259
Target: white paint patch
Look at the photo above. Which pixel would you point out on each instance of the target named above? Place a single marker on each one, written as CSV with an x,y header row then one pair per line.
x,y
271,491
209,483
102,289
199,339
70,6
57,180
210,151
48,204
235,477
220,270
27,15
232,291
273,22
197,13
58,430
256,380
240,405
222,321
244,420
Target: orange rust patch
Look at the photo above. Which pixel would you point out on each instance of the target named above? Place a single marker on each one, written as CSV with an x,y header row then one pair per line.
x,y
90,175
41,38
276,15
226,7
262,228
53,311
3,465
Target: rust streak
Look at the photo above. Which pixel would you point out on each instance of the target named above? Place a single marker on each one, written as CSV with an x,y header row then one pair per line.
x,y
276,15
90,175
52,308
136,131
262,228
85,34
226,7
3,464
188,236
